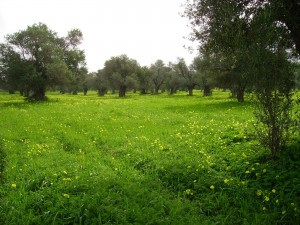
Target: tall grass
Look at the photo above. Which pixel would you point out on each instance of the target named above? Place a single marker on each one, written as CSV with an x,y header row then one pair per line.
x,y
140,160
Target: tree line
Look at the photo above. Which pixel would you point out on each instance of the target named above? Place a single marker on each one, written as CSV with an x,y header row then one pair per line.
x,y
36,59
121,73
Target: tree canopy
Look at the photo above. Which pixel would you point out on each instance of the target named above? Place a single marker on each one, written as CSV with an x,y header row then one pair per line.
x,y
121,72
36,58
253,43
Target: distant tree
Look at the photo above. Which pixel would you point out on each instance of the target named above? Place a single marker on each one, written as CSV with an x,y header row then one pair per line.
x,y
101,83
121,72
144,79
203,66
159,71
173,79
89,81
188,74
75,60
36,58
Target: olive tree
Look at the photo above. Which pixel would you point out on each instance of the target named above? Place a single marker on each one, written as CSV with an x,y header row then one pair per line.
x,y
159,71
121,73
36,58
189,76
255,38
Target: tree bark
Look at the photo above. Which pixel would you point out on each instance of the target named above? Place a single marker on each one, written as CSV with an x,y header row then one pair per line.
x,y
206,87
122,91
240,91
190,89
85,90
173,90
38,94
240,96
143,91
102,91
206,90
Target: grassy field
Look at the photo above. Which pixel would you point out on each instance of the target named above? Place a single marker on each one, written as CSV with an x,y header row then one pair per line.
x,y
140,160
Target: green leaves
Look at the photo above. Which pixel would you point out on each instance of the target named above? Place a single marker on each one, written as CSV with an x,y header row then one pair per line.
x,y
121,72
37,58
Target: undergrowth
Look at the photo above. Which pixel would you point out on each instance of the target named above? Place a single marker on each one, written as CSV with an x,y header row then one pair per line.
x,y
141,160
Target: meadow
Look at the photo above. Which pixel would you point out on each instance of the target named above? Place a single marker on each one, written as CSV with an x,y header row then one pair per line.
x,y
153,159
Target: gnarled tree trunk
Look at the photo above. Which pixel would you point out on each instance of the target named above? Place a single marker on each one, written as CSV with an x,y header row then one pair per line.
x,y
122,91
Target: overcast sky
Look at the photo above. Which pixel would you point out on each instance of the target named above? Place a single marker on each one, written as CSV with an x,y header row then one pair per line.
x,y
145,30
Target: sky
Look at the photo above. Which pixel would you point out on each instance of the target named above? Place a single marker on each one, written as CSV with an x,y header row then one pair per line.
x,y
145,30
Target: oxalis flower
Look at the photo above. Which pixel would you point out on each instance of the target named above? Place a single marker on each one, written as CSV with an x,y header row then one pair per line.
x,y
189,192
212,187
66,195
259,192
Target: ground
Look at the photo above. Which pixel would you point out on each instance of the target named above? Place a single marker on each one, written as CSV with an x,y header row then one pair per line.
x,y
153,159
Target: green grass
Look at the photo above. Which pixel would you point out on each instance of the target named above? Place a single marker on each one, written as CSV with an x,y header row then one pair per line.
x,y
153,159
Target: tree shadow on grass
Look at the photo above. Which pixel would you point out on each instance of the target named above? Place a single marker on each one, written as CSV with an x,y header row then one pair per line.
x,y
2,161
25,104
209,106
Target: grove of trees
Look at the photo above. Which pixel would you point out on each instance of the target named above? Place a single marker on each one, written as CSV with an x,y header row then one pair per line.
x,y
244,46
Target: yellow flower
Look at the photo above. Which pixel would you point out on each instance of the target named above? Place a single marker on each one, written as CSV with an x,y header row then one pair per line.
x,y
259,192
253,168
226,181
247,171
66,195
212,187
188,192
267,198
13,185
273,190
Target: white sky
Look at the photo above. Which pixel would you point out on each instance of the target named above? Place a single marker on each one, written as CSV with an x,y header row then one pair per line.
x,y
145,30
